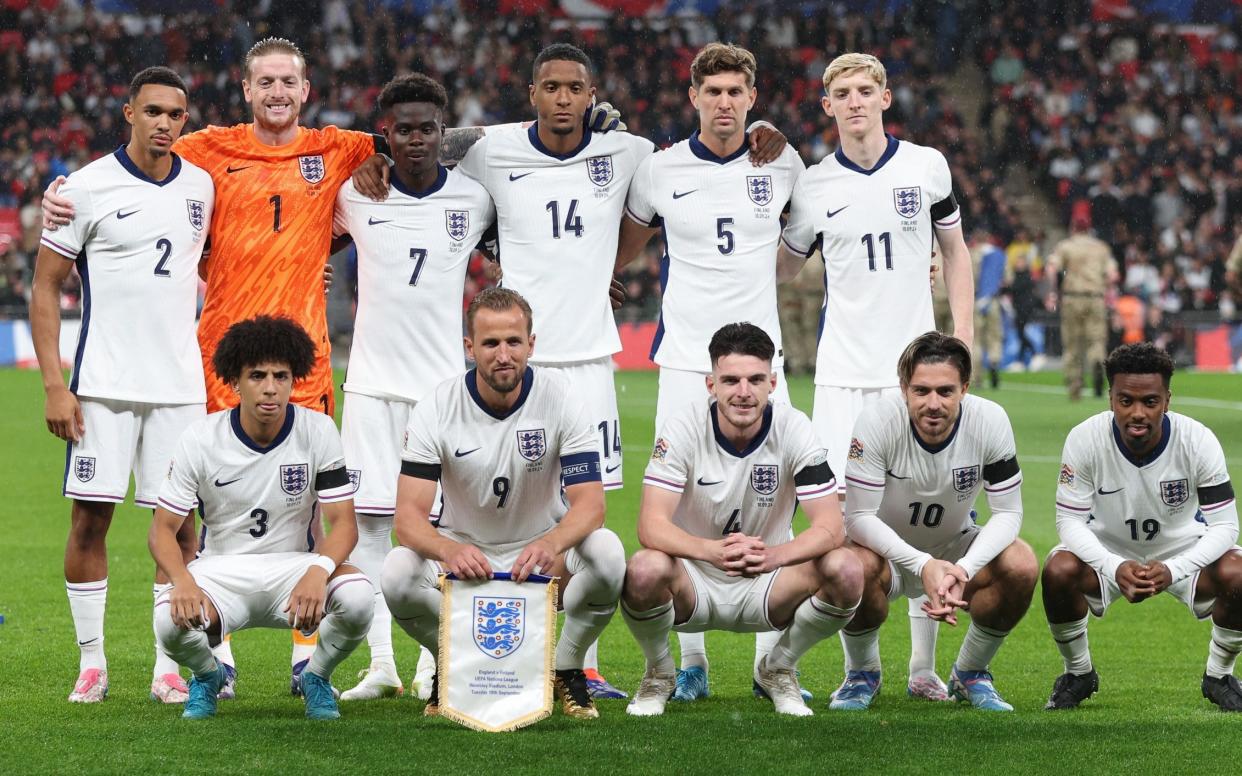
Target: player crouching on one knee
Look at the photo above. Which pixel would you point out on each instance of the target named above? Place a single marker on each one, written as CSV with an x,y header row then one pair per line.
x,y
1144,506
261,473
915,467
717,507
515,453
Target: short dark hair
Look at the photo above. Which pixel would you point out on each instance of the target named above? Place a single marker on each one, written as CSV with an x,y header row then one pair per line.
x,y
498,300
567,52
934,348
412,87
744,339
716,58
263,340
1139,358
159,75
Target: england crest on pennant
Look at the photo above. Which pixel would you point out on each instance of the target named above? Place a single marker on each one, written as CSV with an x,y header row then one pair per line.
x,y
764,479
532,443
312,168
966,478
294,478
759,189
908,201
1174,492
84,468
499,625
457,222
599,170
196,210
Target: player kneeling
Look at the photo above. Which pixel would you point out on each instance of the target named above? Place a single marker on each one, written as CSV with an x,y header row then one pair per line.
x,y
502,441
915,466
1144,506
260,474
717,507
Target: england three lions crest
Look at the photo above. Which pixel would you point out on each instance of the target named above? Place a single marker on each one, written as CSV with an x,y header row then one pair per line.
x,y
532,443
908,201
966,478
599,170
197,212
759,189
1174,492
499,625
294,478
457,223
84,468
764,479
312,168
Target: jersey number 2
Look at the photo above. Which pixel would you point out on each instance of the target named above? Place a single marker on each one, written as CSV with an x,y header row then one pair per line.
x,y
165,245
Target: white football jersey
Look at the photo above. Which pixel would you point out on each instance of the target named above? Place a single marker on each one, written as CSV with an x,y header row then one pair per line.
x,y
137,243
722,225
559,218
501,474
875,229
1155,508
255,499
413,249
929,492
725,490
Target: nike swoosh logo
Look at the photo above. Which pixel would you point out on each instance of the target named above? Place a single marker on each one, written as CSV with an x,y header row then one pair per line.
x,y
612,469
889,472
680,194
222,484
705,484
1103,492
460,454
513,177
832,213
120,215
373,222
88,641
231,170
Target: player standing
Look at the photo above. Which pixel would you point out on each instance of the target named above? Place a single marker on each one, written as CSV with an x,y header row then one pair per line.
x,y
413,249
916,465
716,518
1144,506
721,219
143,216
516,456
261,472
873,209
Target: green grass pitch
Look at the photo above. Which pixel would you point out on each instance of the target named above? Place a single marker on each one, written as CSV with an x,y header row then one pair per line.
x,y
1148,715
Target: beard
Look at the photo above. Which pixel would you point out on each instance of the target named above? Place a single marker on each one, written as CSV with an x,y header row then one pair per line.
x,y
504,383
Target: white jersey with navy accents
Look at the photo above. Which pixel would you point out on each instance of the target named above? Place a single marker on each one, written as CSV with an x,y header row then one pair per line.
x,y
413,250
501,473
923,496
721,218
875,229
1175,505
558,218
252,498
137,243
724,489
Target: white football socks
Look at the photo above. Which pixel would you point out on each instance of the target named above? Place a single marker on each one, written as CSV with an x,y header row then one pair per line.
x,y
1071,639
979,647
651,628
1223,651
87,601
814,620
163,663
862,650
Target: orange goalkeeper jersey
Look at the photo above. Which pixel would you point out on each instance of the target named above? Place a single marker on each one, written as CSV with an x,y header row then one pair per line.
x,y
271,233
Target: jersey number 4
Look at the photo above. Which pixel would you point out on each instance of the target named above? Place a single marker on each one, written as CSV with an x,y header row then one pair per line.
x,y
573,221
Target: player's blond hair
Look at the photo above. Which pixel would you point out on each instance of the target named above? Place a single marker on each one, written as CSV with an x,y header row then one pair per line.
x,y
847,64
716,58
273,46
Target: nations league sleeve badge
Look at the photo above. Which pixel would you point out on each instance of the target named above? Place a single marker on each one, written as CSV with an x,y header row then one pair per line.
x,y
497,640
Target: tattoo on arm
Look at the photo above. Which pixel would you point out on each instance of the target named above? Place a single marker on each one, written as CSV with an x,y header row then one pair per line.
x,y
457,142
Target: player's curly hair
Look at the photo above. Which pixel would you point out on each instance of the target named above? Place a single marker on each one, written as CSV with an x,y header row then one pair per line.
x,y
934,348
716,58
565,52
744,339
498,300
263,340
1139,358
273,46
412,87
159,75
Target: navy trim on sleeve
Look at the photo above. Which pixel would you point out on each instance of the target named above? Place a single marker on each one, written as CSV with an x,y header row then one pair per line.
x,y
423,471
332,478
580,467
944,207
815,474
1000,470
1215,494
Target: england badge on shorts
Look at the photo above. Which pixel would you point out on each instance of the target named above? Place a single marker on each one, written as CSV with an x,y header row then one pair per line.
x,y
759,189
764,478
532,443
457,223
196,210
599,170
84,468
908,201
1174,492
965,478
294,478
312,168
